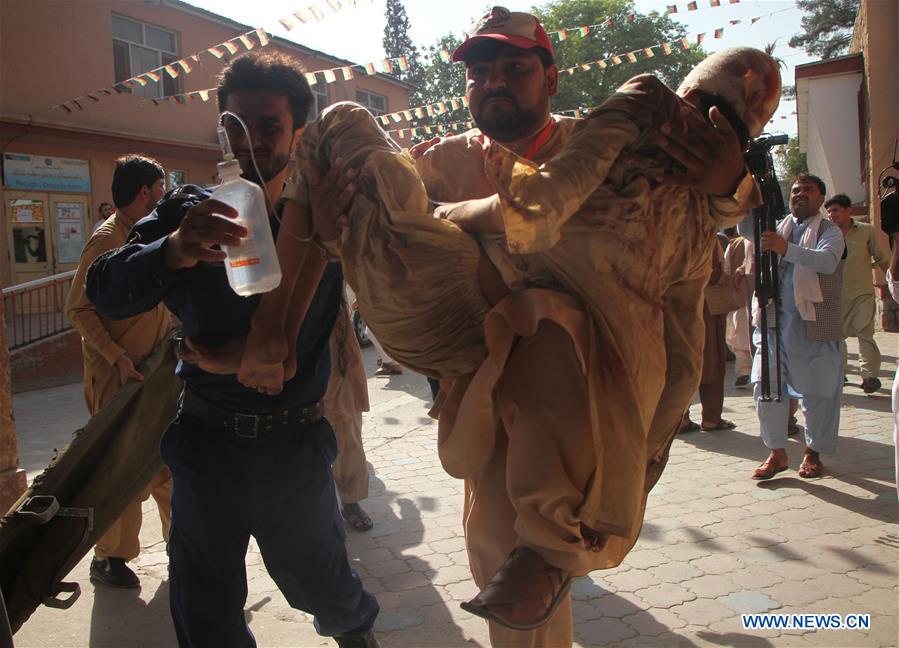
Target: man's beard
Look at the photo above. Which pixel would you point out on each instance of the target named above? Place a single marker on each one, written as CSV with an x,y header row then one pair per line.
x,y
269,169
801,210
509,123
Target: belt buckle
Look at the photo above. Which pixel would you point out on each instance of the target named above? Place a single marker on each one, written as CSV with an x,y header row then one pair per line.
x,y
238,428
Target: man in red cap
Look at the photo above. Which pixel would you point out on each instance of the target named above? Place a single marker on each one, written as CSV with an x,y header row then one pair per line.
x,y
554,360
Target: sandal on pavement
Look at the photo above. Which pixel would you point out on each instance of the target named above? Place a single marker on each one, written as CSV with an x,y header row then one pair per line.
x,y
523,594
811,466
357,518
722,424
690,427
767,470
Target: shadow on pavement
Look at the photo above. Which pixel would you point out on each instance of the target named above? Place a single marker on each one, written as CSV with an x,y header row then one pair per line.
x,y
413,609
121,618
612,607
733,639
877,509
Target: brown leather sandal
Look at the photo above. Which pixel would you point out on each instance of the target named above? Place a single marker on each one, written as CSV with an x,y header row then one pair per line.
x,y
767,470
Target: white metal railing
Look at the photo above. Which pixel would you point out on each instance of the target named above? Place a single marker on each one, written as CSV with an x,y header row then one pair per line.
x,y
36,309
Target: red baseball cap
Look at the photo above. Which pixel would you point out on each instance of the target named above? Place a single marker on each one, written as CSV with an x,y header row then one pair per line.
x,y
511,27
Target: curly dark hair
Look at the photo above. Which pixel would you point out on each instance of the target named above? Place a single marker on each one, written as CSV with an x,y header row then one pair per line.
x,y
268,71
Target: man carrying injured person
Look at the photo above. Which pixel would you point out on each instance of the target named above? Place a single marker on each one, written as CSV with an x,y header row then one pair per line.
x,y
606,247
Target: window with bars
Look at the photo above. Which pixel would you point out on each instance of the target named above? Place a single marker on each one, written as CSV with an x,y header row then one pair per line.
x,y
138,48
376,104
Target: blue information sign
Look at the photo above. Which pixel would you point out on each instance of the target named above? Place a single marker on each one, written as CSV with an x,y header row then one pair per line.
x,y
22,171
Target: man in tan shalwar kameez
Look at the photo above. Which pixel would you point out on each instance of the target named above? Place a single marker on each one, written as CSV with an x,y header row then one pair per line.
x,y
345,400
112,348
533,453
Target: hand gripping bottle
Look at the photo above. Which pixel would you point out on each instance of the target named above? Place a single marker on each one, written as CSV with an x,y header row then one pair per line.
x,y
252,267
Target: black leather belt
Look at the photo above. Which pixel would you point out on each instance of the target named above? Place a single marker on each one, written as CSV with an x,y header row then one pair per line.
x,y
247,425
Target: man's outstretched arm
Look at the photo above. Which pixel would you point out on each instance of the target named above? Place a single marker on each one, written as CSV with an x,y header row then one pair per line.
x,y
137,276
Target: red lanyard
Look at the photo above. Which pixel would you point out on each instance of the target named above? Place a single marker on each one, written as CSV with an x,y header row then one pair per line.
x,y
538,143
544,135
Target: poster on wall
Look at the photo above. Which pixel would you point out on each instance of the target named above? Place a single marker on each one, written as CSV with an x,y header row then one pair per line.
x,y
69,232
22,171
26,211
29,245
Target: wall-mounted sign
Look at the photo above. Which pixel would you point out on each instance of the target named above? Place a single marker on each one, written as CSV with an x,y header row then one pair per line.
x,y
21,171
69,232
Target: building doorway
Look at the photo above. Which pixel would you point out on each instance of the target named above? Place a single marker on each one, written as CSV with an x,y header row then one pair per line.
x,y
46,232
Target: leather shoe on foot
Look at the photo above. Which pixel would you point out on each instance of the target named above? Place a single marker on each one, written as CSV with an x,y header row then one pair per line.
x,y
871,385
523,594
113,572
364,640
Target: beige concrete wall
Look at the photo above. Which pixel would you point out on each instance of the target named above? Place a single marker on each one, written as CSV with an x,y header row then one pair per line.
x,y
36,74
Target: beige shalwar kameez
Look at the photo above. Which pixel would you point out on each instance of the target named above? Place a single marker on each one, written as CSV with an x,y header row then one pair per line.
x,y
104,341
345,400
565,421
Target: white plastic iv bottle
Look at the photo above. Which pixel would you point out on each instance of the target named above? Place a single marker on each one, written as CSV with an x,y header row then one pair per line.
x,y
252,267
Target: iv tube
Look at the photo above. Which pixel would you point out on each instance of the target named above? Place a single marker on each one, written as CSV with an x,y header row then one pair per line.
x,y
228,153
224,143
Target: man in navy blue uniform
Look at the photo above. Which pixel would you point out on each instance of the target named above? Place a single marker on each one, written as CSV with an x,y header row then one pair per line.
x,y
243,462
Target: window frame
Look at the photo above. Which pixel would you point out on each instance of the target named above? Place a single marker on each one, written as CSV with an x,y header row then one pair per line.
x,y
320,97
377,112
166,85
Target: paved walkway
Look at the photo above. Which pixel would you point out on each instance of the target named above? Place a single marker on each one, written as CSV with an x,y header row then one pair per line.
x,y
715,544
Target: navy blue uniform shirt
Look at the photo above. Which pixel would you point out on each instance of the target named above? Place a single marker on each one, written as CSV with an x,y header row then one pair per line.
x,y
134,279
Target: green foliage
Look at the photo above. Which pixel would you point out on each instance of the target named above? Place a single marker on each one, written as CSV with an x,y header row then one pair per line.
x,y
585,89
827,29
398,42
790,163
581,89
444,79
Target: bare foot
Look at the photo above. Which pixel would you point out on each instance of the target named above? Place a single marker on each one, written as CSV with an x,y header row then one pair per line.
x,y
262,364
221,360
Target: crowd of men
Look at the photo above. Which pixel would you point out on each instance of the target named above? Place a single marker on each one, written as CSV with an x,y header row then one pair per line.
x,y
244,462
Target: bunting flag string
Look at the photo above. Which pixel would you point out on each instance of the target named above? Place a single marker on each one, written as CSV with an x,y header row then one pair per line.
x,y
183,97
314,13
666,48
465,124
453,104
585,30
173,69
385,65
